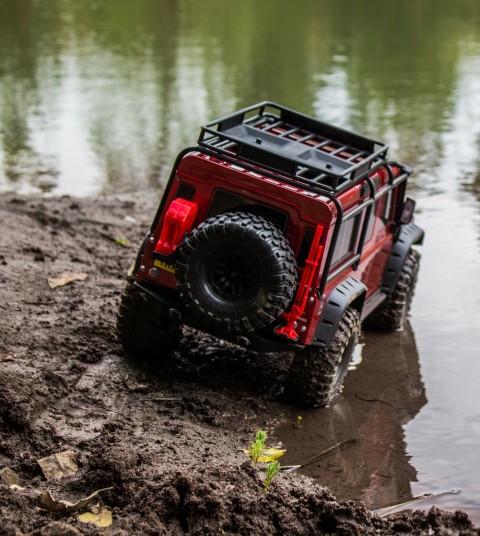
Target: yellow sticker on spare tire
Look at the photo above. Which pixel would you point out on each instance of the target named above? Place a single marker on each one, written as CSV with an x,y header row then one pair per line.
x,y
164,266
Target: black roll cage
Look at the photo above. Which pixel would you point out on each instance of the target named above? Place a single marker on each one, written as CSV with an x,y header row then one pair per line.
x,y
217,137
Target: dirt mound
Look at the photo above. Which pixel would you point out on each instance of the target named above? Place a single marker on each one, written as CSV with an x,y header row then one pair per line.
x,y
167,438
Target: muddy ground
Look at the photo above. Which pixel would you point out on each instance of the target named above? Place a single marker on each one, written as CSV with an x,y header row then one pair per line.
x,y
166,439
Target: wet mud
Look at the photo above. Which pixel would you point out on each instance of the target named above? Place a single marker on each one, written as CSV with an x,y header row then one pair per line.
x,y
165,439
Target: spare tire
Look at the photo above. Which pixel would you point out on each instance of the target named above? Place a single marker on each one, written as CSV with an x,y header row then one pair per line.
x,y
237,271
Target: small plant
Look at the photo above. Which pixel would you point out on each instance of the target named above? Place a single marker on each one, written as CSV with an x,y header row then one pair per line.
x,y
259,453
258,446
298,423
272,470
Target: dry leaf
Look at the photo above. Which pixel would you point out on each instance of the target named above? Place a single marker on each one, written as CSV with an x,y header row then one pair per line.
x,y
10,477
7,357
268,455
65,278
59,465
134,386
47,502
100,515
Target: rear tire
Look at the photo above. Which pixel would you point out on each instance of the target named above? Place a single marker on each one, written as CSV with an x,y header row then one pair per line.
x,y
316,374
144,329
392,313
237,272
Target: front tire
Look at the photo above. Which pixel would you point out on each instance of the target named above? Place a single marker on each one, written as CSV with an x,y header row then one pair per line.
x,y
316,374
144,329
392,313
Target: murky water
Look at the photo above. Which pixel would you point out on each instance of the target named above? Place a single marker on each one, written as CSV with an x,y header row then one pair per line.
x,y
99,96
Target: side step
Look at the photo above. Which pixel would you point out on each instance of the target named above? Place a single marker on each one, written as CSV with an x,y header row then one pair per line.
x,y
372,303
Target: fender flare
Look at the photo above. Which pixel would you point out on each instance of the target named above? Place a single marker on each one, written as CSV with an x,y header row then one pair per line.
x,y
349,293
409,235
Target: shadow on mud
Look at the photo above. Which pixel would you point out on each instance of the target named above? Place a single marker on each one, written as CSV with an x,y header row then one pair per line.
x,y
220,366
381,395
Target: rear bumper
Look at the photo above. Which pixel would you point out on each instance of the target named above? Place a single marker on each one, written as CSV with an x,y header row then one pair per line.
x,y
264,340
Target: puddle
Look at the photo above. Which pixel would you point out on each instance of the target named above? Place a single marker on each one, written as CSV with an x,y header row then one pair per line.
x,y
380,396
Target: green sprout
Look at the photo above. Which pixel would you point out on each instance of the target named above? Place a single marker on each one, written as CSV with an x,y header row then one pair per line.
x,y
258,446
258,453
272,470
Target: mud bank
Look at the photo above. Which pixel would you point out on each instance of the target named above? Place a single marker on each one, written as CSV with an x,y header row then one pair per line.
x,y
166,439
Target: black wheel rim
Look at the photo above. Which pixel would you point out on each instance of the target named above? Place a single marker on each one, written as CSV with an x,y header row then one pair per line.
x,y
232,275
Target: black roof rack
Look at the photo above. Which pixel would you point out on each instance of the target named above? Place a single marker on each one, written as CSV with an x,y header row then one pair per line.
x,y
313,153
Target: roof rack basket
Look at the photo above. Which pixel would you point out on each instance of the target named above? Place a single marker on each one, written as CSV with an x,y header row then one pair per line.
x,y
314,154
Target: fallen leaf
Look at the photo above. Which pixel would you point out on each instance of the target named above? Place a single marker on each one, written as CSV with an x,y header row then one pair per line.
x,y
65,278
122,242
6,357
10,477
47,502
100,515
268,455
133,385
59,465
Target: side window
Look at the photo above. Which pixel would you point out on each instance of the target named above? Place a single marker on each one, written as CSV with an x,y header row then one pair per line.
x,y
382,210
347,240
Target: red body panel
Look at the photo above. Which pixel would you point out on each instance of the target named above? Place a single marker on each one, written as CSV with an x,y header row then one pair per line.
x,y
302,209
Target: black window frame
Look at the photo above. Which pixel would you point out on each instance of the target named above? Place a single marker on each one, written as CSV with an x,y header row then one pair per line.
x,y
347,240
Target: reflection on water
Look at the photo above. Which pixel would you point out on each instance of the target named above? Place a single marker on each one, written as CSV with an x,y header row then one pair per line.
x,y
381,395
100,95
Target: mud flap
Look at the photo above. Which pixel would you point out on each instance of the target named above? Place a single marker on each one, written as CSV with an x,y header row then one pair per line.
x,y
350,293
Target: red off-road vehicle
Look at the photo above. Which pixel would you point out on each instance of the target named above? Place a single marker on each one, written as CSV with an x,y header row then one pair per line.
x,y
279,233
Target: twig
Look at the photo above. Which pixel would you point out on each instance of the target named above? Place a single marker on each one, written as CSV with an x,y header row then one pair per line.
x,y
163,399
341,445
416,500
372,399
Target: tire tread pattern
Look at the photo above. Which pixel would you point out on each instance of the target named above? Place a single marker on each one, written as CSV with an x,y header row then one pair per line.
x,y
316,374
392,312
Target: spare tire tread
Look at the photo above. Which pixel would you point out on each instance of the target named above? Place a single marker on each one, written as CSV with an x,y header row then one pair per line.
x,y
247,231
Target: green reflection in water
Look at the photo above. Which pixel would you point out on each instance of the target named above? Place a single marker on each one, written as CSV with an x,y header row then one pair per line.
x,y
101,95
